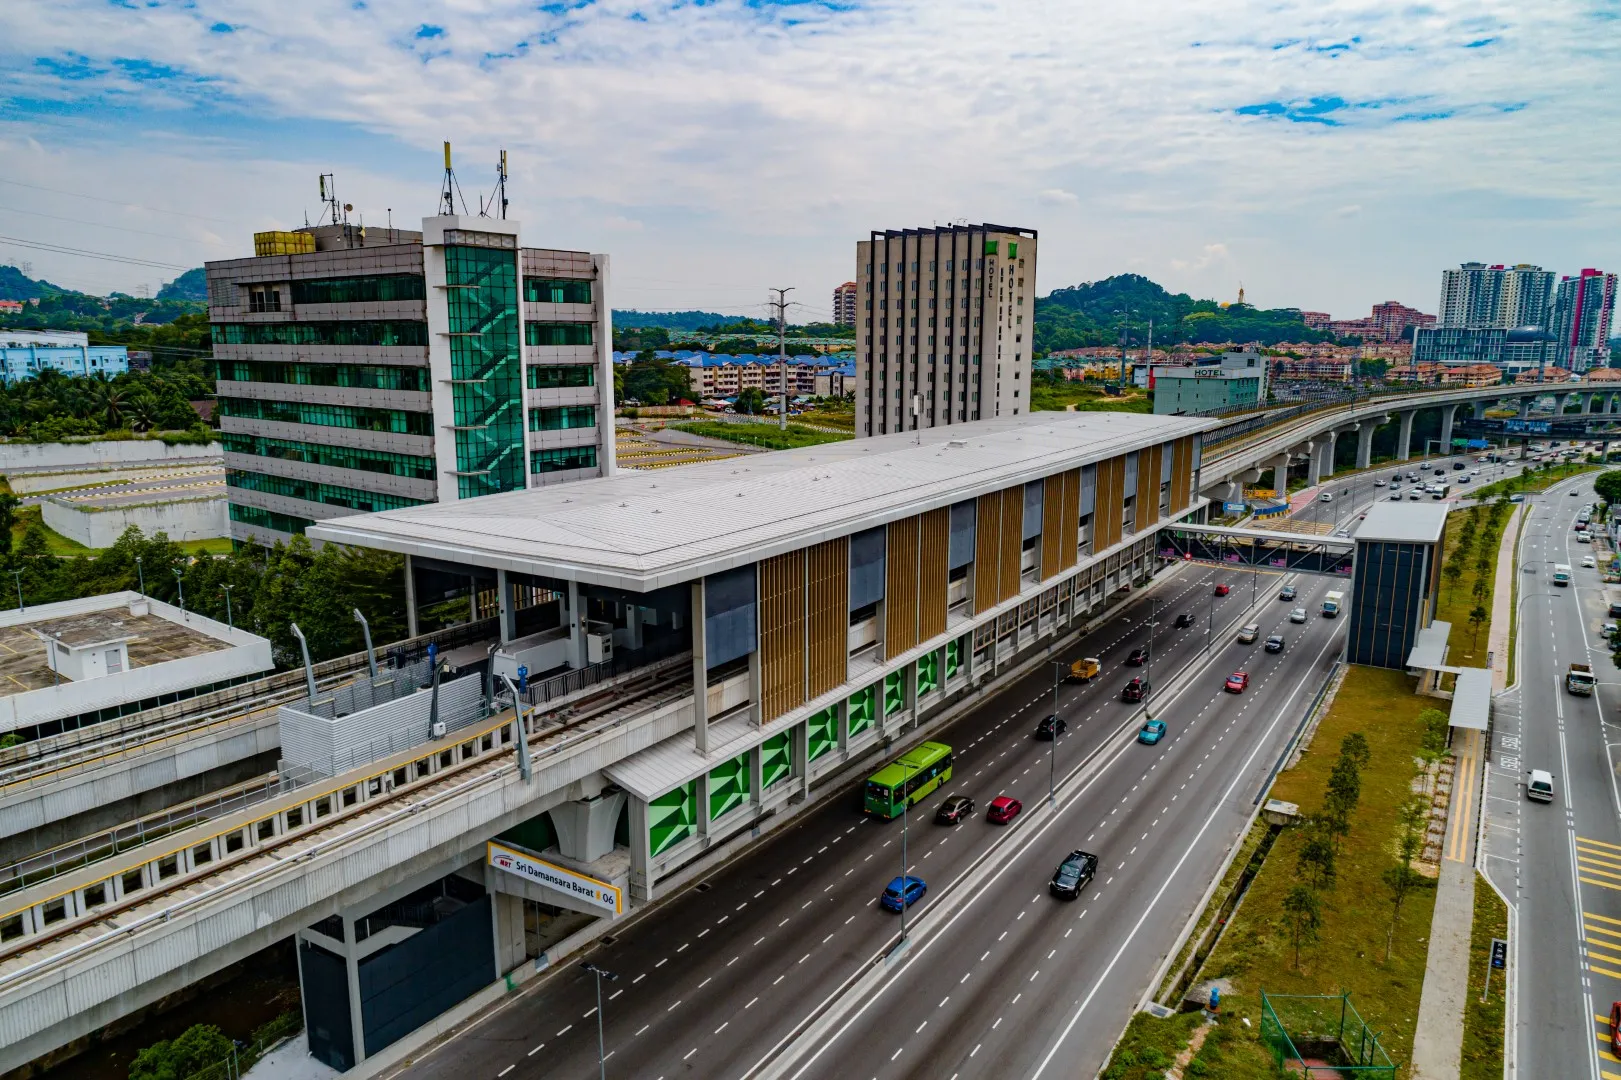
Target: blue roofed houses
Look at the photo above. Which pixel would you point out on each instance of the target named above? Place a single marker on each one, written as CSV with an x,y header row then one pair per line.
x,y
26,353
719,375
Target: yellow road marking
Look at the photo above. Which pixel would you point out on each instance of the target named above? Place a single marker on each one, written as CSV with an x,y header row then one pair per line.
x,y
1605,884
1600,843
1602,930
1601,1018
1586,867
1607,957
1608,1075
1601,918
1461,820
1604,971
1602,858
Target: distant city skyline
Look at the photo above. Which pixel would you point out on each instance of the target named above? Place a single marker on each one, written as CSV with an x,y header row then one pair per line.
x,y
1327,156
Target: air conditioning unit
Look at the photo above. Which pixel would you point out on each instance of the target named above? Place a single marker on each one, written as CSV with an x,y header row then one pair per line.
x,y
599,648
438,729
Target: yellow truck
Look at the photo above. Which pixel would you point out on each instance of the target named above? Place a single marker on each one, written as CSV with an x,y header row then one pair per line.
x,y
1084,671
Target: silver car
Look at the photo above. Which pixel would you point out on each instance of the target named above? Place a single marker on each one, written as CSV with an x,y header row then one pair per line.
x,y
1298,615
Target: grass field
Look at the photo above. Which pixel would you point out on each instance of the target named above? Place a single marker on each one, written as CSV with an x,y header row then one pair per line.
x,y
1539,480
768,436
58,544
1056,397
1256,952
1483,1022
1149,1047
1458,599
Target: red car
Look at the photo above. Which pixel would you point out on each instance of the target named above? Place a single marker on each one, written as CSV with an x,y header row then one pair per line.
x,y
1222,590
1003,810
1237,681
1615,1027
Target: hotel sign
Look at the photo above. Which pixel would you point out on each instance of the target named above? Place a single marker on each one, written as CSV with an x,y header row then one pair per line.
x,y
587,889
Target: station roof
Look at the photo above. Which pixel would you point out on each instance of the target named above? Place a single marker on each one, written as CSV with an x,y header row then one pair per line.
x,y
1472,699
1405,523
1429,653
642,531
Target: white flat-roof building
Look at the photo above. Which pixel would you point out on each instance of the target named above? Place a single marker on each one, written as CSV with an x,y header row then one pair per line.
x,y
81,661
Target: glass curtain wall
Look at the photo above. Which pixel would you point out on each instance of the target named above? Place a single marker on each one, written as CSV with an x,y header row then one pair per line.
x,y
486,368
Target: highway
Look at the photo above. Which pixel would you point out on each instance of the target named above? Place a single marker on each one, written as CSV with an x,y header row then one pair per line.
x,y
1559,862
716,977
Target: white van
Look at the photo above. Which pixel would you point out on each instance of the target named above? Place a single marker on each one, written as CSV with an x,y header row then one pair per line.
x,y
1539,786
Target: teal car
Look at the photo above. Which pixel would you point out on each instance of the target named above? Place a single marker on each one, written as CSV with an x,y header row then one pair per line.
x,y
1152,732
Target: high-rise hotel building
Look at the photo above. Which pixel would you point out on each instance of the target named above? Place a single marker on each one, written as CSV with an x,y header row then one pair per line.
x,y
945,321
372,369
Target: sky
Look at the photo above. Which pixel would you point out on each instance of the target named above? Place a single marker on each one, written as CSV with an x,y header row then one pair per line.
x,y
1324,154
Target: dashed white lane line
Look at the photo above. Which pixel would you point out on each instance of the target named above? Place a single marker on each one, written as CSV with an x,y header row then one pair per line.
x,y
504,1071
565,1031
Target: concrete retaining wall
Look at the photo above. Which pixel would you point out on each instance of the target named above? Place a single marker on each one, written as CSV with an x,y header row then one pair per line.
x,y
184,520
110,452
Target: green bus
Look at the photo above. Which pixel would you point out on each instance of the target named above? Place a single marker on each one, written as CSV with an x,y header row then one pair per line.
x,y
908,779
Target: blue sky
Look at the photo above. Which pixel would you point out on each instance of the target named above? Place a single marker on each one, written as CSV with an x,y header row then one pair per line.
x,y
1326,154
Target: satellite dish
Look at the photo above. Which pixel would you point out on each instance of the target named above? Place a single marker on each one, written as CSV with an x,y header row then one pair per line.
x,y
348,207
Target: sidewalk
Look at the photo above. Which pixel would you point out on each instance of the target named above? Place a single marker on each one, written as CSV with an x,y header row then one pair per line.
x,y
1438,1035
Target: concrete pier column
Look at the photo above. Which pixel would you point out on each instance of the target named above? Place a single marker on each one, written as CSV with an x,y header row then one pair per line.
x,y
634,614
700,671
1326,469
1235,491
1525,406
585,827
1314,463
576,627
1364,440
503,594
1480,410
1559,403
1404,437
411,628
1280,475
641,848
1587,399
1447,413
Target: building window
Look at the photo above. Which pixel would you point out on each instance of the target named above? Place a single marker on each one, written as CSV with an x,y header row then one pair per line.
x,y
369,376
556,333
260,300
337,457
380,332
378,289
562,375
556,290
342,416
567,416
568,457
330,494
268,519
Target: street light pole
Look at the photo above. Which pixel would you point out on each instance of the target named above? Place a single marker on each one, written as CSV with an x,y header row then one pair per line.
x,y
229,621
602,1057
1052,749
906,801
18,576
141,574
1148,665
181,585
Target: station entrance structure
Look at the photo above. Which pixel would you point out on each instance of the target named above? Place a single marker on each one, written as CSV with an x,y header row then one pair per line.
x,y
1261,549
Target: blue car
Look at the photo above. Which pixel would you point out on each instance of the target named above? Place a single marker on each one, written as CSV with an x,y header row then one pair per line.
x,y
903,892
1151,732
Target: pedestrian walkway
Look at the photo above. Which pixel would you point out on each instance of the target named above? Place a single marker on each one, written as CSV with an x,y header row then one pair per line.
x,y
1438,1036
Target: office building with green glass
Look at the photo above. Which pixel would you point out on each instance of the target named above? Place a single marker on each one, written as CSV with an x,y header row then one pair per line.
x,y
362,369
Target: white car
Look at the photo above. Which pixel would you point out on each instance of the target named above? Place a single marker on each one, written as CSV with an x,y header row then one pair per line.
x,y
1298,615
1589,563
1583,538
1378,483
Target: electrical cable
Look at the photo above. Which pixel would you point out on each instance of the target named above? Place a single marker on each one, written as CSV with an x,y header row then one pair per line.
x,y
116,202
58,249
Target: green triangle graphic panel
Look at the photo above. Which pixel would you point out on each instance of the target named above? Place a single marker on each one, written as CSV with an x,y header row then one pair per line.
x,y
894,692
863,709
728,785
953,657
928,672
822,730
672,817
774,760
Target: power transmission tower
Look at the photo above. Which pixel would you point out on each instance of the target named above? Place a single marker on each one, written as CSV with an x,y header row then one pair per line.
x,y
781,304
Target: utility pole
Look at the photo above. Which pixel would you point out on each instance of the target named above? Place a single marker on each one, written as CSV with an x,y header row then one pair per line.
x,y
1125,334
781,304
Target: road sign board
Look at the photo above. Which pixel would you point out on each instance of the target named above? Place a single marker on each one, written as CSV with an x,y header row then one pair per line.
x,y
1499,953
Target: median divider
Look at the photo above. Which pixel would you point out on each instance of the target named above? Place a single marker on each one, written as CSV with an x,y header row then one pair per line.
x,y
866,981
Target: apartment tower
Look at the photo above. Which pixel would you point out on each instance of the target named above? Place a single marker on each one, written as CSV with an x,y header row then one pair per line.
x,y
373,369
1476,295
1583,308
844,304
947,316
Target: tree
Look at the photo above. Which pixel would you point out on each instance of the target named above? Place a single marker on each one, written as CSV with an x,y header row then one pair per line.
x,y
751,401
1452,571
196,1048
1399,880
1477,616
8,518
1608,485
1345,783
1304,916
1315,863
1354,747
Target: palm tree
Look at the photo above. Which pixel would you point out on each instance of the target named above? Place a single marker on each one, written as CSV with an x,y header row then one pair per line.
x,y
143,412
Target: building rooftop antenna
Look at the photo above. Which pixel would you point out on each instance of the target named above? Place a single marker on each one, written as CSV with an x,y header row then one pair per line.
x,y
338,212
449,189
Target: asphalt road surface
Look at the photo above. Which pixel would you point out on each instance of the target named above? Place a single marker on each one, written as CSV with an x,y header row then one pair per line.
x,y
718,976
1560,862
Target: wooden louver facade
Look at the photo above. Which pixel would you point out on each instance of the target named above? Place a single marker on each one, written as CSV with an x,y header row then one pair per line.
x,y
901,586
1060,522
827,617
1109,513
933,556
782,634
1149,466
1182,473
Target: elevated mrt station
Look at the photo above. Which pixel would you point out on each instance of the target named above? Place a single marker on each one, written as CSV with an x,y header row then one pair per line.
x,y
777,619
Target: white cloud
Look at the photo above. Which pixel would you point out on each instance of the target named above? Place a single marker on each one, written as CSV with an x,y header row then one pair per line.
x,y
755,150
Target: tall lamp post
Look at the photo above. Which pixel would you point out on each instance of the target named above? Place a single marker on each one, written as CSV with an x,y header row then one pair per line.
x,y
602,1057
229,621
1052,748
181,585
140,573
17,576
906,802
1148,666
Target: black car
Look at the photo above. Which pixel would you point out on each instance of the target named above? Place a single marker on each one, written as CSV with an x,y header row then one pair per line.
x,y
1184,620
1286,593
954,809
1051,727
1274,643
1440,472
1138,657
1074,874
1458,466
1135,690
